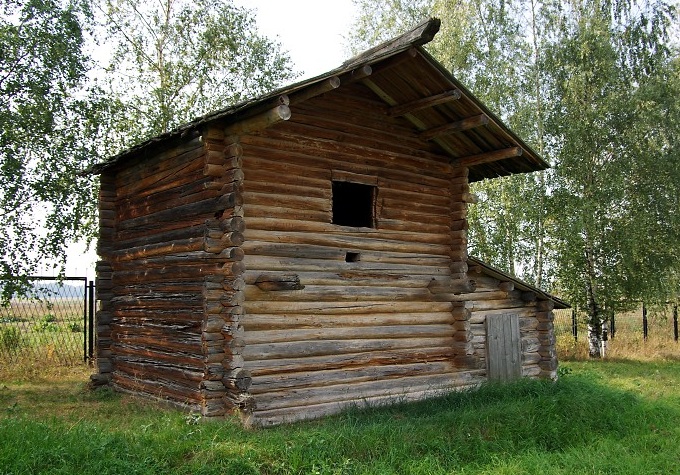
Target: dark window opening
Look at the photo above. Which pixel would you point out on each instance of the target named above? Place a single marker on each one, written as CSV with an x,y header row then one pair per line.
x,y
353,204
352,257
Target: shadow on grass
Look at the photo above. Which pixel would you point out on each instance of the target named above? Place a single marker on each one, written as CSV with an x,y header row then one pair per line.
x,y
571,426
479,428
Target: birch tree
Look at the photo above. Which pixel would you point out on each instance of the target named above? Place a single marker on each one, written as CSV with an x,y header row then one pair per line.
x,y
174,60
592,86
47,124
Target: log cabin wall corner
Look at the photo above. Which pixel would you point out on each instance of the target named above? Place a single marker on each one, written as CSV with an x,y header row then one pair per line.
x,y
169,281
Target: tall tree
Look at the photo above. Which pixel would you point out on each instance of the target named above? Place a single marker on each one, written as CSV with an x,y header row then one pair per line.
x,y
47,119
617,179
175,60
591,84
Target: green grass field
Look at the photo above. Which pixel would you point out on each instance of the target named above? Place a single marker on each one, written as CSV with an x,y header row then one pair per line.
x,y
619,417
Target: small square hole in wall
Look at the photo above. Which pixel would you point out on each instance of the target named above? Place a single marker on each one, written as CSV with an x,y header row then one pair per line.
x,y
353,204
352,257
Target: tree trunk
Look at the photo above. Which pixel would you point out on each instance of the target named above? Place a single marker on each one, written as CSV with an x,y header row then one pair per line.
x,y
596,317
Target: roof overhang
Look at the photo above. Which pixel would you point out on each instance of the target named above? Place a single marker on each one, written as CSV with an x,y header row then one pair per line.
x,y
412,84
518,284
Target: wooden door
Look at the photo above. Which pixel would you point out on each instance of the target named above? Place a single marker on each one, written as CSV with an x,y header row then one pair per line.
x,y
504,357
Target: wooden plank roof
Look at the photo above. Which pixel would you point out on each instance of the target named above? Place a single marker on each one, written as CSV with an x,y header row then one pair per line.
x,y
519,284
413,85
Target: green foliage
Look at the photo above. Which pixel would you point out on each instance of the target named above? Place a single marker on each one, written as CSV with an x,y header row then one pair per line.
x,y
47,324
175,60
527,427
592,86
49,123
10,339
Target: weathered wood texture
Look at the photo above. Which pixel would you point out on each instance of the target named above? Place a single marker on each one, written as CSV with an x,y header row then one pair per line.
x,y
500,300
336,315
169,280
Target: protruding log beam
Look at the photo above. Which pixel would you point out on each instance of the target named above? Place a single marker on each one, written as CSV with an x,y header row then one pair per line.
x,y
458,126
239,380
470,198
360,73
507,286
278,282
460,286
488,157
425,102
316,90
529,297
545,305
279,113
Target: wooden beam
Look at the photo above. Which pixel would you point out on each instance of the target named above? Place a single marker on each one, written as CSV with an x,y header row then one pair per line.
x,y
360,73
458,126
411,118
315,90
259,122
488,157
425,102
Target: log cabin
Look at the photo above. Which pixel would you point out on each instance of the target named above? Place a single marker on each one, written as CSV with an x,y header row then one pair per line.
x,y
306,251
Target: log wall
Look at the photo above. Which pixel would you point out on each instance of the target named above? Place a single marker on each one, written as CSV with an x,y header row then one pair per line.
x,y
495,297
169,279
320,332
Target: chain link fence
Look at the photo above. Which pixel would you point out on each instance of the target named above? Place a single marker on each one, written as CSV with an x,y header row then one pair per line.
x,y
52,325
638,334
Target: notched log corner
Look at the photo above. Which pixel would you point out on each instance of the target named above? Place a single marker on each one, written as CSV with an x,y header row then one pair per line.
x,y
278,282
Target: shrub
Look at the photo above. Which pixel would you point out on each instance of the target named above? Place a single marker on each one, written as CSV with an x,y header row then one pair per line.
x,y
47,324
10,338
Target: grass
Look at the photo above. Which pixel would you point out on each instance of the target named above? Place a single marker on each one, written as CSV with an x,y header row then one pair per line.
x,y
628,342
618,417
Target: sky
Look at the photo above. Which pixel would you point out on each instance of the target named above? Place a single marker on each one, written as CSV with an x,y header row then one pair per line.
x,y
312,31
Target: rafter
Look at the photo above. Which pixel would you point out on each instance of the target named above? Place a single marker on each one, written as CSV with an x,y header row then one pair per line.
x,y
425,102
488,157
458,126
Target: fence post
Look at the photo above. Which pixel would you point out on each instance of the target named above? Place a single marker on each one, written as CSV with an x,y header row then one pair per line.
x,y
574,326
612,326
675,322
85,321
644,321
90,348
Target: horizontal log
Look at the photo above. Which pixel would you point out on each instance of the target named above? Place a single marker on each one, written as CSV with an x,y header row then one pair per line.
x,y
256,322
357,392
349,333
160,390
305,379
444,286
278,282
320,293
203,207
312,154
289,415
275,115
373,359
336,347
265,263
342,308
